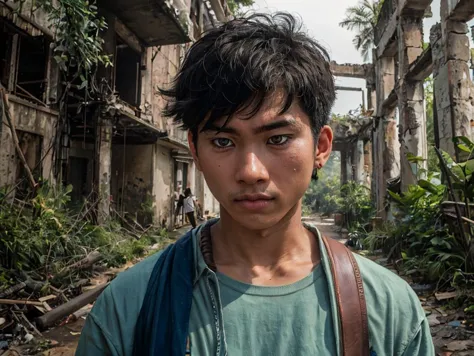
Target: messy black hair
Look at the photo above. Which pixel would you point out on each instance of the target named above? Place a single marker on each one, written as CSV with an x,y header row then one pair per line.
x,y
233,68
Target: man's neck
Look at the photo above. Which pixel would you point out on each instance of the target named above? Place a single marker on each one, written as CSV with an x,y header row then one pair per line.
x,y
282,254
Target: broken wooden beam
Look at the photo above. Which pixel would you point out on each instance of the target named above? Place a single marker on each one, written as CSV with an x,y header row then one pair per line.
x,y
70,307
390,103
422,67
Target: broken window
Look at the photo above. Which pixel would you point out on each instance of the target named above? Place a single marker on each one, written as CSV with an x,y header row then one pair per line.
x,y
127,74
32,63
6,39
31,146
23,62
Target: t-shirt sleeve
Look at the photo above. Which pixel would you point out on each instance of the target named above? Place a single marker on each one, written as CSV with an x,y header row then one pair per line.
x,y
110,326
94,340
422,343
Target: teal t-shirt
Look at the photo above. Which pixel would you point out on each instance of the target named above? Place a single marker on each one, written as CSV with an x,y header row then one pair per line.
x,y
280,321
232,318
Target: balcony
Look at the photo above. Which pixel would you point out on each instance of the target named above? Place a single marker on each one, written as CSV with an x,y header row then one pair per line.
x,y
154,22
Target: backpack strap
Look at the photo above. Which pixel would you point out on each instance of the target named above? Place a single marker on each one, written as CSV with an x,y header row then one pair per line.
x,y
350,299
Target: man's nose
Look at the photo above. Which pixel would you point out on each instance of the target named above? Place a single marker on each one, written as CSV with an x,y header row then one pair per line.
x,y
251,169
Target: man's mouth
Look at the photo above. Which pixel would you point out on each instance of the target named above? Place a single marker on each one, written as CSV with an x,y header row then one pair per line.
x,y
254,202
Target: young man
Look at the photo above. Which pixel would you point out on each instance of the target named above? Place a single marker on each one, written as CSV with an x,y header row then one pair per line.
x,y
255,96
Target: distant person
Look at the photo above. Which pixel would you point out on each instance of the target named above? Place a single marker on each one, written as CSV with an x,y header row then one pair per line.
x,y
255,95
189,206
179,200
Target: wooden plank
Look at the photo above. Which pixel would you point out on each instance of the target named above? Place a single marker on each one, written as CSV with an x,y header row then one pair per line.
x,y
20,302
49,297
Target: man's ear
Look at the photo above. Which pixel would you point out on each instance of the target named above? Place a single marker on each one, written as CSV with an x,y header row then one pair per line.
x,y
324,147
193,148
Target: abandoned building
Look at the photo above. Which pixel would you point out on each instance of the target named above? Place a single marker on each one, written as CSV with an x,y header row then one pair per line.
x,y
133,160
396,94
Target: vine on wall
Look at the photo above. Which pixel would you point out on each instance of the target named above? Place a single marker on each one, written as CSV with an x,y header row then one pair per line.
x,y
77,45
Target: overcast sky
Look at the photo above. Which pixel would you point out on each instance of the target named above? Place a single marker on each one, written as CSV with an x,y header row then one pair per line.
x,y
321,18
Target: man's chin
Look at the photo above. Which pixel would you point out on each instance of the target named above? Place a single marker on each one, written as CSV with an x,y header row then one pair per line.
x,y
256,222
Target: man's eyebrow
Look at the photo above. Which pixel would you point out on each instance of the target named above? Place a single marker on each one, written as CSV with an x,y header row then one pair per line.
x,y
264,128
216,128
277,125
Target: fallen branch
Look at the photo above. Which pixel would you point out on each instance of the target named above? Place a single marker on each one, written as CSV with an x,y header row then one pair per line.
x,y
15,139
12,290
86,262
70,307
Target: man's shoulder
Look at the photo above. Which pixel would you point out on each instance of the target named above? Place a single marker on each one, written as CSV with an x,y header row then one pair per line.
x,y
393,308
381,283
136,278
127,290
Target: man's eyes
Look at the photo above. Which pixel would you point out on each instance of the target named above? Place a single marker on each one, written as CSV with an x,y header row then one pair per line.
x,y
277,140
222,142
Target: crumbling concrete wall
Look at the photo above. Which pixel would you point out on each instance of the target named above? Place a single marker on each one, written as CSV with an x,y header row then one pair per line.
x,y
132,181
33,119
452,83
28,17
163,184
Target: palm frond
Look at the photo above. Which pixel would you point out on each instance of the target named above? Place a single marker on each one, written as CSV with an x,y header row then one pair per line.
x,y
362,18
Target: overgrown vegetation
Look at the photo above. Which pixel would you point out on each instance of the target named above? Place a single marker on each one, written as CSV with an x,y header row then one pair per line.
x,y
77,45
432,237
41,237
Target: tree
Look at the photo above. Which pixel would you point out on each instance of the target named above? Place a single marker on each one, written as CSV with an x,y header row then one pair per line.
x,y
363,19
236,6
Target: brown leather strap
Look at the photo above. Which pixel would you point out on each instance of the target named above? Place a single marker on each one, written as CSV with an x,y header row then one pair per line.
x,y
350,299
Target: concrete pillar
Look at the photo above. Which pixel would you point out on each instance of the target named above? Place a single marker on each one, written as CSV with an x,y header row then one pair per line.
x,y
452,83
103,159
104,132
344,167
386,157
357,162
412,122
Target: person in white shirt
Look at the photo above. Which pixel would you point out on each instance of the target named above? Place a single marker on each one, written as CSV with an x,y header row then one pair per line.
x,y
189,206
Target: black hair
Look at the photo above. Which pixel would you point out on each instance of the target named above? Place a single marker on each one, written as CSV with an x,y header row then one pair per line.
x,y
187,192
233,68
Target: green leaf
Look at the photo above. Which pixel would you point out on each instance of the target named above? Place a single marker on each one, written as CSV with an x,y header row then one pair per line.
x,y
428,186
414,159
464,148
467,142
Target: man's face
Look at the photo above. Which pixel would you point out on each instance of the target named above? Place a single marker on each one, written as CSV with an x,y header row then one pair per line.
x,y
259,168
